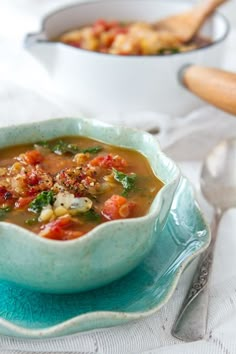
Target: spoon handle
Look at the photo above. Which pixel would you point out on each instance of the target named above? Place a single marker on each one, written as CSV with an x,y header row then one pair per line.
x,y
203,10
215,86
191,321
209,6
186,24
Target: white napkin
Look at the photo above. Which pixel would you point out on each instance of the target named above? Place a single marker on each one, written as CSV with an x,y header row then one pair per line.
x,y
187,141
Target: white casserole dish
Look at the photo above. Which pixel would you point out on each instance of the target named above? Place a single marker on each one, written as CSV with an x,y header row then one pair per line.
x,y
107,83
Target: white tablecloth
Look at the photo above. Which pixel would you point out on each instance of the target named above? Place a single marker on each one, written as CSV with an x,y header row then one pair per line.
x,y
188,141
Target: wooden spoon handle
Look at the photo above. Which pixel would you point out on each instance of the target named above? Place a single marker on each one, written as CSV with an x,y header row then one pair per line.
x,y
217,87
209,6
185,25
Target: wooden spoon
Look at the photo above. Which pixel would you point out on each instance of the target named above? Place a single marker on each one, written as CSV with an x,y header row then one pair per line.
x,y
187,24
216,86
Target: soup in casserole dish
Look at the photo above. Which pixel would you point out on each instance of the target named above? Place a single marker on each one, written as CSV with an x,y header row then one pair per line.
x,y
136,38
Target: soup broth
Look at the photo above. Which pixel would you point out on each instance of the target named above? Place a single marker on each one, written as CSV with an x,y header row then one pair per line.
x,y
63,188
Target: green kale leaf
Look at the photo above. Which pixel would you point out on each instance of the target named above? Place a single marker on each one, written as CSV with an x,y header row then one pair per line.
x,y
43,199
61,148
92,150
128,181
91,215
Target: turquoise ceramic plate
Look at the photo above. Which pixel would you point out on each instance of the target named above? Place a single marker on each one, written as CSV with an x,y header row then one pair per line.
x,y
141,293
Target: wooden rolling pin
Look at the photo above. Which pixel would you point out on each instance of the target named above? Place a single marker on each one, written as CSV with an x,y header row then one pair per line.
x,y
216,86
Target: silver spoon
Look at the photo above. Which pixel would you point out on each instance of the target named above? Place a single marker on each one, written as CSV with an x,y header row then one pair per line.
x,y
218,185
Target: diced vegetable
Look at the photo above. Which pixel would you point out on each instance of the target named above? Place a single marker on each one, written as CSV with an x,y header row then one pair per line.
x,y
109,161
81,158
81,205
64,199
22,202
117,207
32,157
61,148
60,211
58,229
46,214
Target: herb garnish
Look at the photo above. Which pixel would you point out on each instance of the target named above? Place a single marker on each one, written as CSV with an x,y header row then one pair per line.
x,y
91,215
43,199
168,51
3,212
61,148
92,150
128,181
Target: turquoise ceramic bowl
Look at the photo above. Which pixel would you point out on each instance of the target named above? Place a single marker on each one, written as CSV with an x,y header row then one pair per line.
x,y
106,253
141,293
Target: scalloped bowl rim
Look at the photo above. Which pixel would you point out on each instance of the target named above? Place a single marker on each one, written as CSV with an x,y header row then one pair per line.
x,y
93,233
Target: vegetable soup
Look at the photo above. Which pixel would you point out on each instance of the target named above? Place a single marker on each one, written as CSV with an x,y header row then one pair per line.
x,y
63,188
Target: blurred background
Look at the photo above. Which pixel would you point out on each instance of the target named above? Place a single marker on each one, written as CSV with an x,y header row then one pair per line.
x,y
19,17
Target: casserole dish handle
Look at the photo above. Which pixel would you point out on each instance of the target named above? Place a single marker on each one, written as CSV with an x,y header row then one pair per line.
x,y
215,86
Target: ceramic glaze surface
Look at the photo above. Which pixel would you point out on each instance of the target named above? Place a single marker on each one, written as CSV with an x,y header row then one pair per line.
x,y
140,293
85,263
